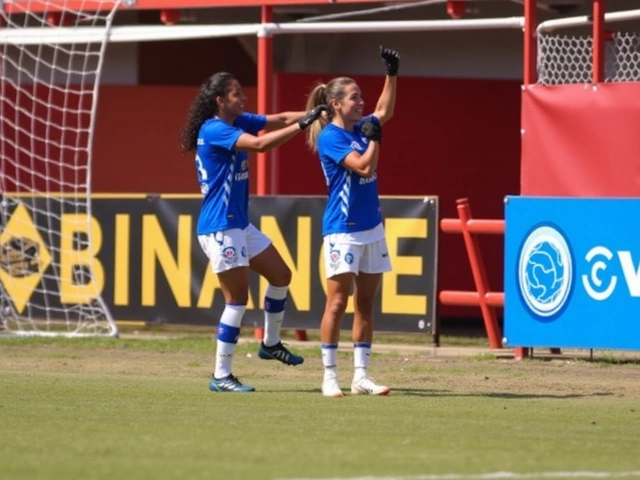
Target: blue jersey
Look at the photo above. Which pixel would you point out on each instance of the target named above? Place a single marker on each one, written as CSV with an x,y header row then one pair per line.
x,y
223,173
353,204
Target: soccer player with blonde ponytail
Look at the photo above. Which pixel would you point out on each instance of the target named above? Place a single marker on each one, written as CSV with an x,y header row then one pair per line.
x,y
355,248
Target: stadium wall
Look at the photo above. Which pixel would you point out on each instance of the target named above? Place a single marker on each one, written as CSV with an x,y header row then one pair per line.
x,y
453,136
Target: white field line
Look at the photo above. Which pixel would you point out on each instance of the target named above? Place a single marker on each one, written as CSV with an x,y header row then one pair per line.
x,y
491,476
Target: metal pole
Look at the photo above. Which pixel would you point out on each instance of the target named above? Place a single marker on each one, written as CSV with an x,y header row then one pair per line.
x,y
599,8
479,275
265,73
530,47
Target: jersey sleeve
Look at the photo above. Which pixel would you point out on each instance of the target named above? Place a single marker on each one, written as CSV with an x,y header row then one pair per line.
x,y
223,135
251,123
333,146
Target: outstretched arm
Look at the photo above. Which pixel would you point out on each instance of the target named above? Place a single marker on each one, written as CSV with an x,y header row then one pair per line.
x,y
252,143
387,101
268,141
276,121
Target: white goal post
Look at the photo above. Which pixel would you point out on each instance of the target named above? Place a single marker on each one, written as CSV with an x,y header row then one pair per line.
x,y
49,282
50,63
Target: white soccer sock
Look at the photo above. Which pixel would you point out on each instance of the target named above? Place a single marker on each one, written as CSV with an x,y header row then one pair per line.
x,y
330,360
275,301
227,335
361,353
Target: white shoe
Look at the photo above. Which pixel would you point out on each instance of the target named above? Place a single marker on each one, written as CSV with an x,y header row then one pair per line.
x,y
366,386
330,388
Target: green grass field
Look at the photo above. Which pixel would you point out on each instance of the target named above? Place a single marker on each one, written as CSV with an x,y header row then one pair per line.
x,y
141,409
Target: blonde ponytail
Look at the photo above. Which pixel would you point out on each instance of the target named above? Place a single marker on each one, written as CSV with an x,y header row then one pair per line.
x,y
324,95
318,96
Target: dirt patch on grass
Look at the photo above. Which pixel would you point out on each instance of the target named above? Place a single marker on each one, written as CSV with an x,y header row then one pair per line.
x,y
408,374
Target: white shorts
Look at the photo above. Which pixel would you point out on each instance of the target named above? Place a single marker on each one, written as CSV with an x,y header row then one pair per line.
x,y
233,248
341,257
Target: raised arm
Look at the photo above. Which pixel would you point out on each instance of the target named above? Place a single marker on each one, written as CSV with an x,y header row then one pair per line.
x,y
276,121
387,101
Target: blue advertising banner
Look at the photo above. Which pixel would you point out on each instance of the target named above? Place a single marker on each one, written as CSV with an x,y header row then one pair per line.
x,y
572,272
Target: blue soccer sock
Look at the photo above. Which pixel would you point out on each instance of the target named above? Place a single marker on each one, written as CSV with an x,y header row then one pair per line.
x,y
227,338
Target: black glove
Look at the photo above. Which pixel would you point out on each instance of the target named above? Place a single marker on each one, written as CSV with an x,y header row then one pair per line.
x,y
372,130
391,59
312,116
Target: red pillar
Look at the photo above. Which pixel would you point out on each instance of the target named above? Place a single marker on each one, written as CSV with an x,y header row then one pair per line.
x,y
530,47
599,7
265,74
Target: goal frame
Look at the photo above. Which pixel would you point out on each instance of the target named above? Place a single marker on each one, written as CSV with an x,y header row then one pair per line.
x,y
89,317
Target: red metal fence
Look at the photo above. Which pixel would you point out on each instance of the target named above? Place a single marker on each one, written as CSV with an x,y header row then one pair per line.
x,y
483,297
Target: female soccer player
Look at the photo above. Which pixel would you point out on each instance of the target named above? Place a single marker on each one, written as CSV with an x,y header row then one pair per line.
x,y
221,134
355,249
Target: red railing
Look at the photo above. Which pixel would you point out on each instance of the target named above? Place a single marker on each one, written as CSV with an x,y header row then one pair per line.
x,y
483,297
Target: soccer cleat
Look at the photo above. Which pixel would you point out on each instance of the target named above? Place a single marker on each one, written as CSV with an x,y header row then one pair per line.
x,y
330,388
279,352
229,384
366,386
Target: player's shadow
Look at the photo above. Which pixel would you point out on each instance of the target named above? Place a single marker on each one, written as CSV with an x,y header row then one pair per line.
x,y
502,395
594,361
432,392
311,390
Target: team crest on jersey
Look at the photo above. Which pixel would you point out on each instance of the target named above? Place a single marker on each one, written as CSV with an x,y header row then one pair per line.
x,y
348,258
356,146
334,257
245,165
229,254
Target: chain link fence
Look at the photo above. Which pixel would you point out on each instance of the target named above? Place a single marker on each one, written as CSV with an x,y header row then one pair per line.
x,y
565,59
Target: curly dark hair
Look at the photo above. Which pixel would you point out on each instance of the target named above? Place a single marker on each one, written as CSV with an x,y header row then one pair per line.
x,y
204,106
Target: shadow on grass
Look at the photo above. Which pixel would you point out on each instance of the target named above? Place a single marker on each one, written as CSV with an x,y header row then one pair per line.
x,y
419,392
313,390
599,358
502,395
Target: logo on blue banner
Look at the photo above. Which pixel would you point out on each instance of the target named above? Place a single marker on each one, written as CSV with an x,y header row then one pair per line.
x,y
572,272
545,272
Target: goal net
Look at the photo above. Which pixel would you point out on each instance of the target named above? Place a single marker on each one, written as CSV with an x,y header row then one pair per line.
x,y
567,59
50,281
